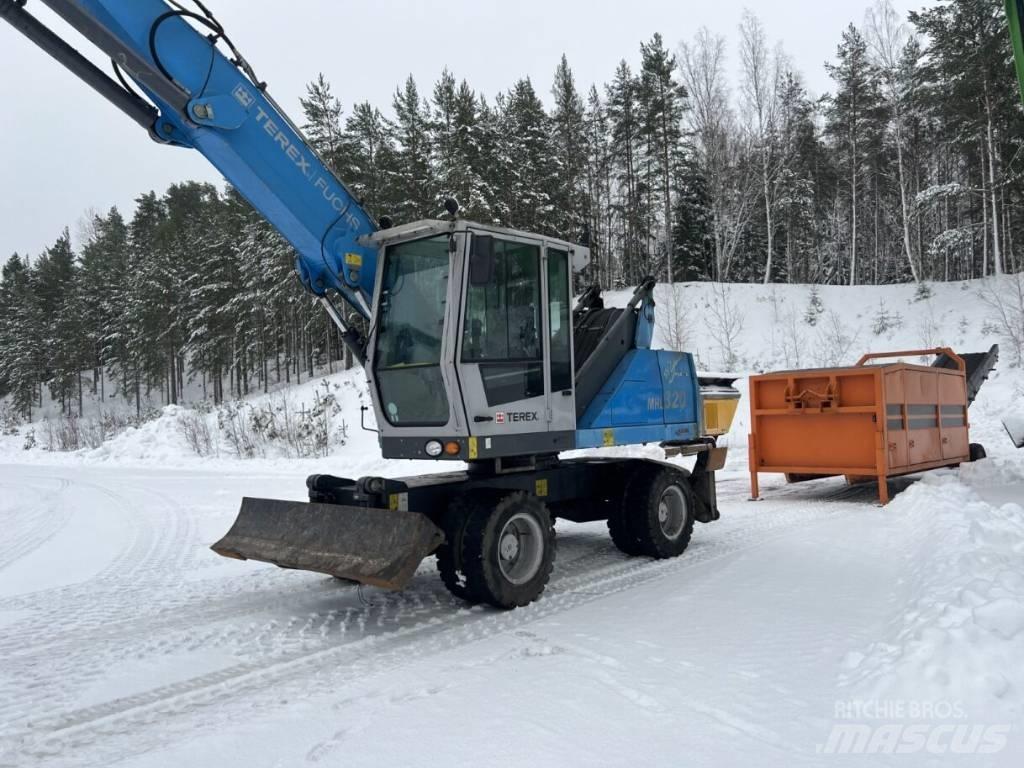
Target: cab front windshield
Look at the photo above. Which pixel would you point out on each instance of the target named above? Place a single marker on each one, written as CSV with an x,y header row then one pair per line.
x,y
410,327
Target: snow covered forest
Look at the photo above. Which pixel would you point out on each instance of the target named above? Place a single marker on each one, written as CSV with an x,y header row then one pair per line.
x,y
704,158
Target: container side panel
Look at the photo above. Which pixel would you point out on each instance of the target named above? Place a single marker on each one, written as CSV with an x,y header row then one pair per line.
x,y
771,392
953,422
952,390
894,387
831,441
856,387
897,455
921,387
924,445
955,445
895,420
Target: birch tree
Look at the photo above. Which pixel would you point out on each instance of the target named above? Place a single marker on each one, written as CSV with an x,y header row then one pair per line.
x,y
762,69
717,144
894,54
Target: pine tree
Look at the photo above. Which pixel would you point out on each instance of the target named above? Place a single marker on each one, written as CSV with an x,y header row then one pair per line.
x,y
410,133
797,188
693,246
216,324
528,156
569,132
663,102
104,262
59,301
599,186
625,120
487,152
456,136
322,111
444,138
134,340
22,334
8,302
853,116
368,162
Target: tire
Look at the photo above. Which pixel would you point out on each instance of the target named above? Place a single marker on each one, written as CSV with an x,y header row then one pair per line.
x,y
622,517
662,512
508,551
449,554
977,452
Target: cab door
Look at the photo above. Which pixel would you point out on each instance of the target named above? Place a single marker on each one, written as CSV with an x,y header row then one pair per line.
x,y
514,360
501,355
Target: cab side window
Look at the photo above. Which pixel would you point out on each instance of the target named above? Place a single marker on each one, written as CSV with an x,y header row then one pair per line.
x,y
560,333
502,329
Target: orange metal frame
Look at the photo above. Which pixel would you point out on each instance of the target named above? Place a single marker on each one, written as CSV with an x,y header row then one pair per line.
x,y
817,423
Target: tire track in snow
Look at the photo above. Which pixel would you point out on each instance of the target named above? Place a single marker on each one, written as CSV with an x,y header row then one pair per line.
x,y
437,630
195,603
32,525
158,549
31,600
57,672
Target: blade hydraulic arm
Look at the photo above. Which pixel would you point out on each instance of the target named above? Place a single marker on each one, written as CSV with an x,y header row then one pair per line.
x,y
203,100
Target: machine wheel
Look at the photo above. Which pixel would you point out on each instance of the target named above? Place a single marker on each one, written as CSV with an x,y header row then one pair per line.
x,y
977,452
622,517
508,551
662,510
449,555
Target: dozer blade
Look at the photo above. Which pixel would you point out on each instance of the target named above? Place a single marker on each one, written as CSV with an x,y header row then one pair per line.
x,y
371,546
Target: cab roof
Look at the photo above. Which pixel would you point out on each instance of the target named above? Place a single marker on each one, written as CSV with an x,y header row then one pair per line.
x,y
429,227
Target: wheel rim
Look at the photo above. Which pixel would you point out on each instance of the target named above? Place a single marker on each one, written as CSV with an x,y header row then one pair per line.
x,y
672,512
520,548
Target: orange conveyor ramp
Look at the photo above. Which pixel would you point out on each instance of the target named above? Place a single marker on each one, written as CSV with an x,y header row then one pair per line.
x,y
864,421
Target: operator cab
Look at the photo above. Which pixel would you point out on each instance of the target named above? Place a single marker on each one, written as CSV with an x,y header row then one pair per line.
x,y
472,337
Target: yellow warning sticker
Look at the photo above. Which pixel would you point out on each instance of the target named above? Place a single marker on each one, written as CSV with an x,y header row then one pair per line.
x,y
608,437
354,259
393,502
472,448
541,488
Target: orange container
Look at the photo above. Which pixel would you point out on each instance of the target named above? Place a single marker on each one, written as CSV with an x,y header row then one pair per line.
x,y
864,422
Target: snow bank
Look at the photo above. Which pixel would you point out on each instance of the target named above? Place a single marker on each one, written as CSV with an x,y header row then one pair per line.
x,y
159,441
958,635
350,450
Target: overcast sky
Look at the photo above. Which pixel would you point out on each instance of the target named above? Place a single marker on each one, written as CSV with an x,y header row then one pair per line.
x,y
66,151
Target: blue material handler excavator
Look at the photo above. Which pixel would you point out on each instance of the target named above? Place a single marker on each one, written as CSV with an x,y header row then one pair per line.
x,y
474,353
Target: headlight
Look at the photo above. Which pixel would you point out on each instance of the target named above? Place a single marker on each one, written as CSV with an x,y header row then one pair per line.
x,y
433,448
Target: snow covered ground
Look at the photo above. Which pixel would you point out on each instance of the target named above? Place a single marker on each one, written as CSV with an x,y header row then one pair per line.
x,y
807,629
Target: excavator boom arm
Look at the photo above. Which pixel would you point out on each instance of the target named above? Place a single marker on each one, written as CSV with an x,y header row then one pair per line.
x,y
196,97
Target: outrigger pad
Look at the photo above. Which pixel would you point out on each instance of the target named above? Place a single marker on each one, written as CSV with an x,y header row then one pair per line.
x,y
371,546
1015,428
